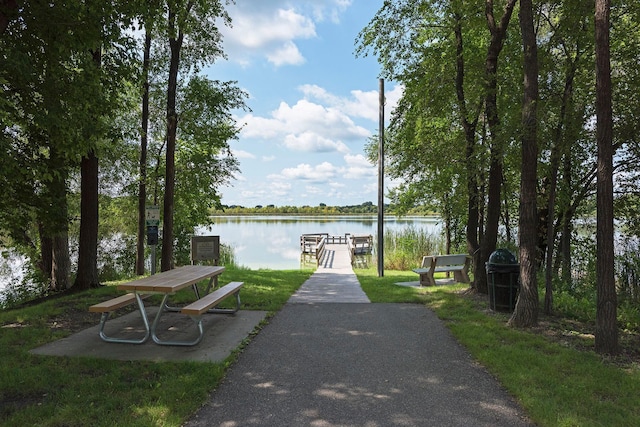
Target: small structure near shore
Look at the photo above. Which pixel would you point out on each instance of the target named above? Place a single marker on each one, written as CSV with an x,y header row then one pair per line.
x,y
314,244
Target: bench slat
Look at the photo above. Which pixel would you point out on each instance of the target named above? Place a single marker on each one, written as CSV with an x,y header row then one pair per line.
x,y
446,268
206,302
113,304
450,259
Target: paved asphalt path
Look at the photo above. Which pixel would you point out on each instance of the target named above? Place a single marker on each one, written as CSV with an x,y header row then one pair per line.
x,y
330,358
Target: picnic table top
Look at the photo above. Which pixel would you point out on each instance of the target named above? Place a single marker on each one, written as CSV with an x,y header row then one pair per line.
x,y
172,280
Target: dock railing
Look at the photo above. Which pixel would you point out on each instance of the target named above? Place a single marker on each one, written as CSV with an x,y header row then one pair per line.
x,y
315,244
320,249
309,242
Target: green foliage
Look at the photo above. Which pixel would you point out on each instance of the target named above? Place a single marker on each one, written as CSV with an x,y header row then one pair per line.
x,y
321,209
629,316
70,83
579,307
628,272
404,249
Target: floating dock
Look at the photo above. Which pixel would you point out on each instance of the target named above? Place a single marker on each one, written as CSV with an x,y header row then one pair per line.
x,y
314,245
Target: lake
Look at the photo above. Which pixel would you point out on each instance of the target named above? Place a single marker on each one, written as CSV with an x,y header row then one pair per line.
x,y
274,241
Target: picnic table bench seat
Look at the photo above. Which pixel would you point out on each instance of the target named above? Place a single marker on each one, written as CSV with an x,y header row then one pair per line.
x,y
113,304
211,300
457,264
109,306
207,304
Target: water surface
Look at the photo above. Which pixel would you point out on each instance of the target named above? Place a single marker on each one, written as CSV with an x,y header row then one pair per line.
x,y
274,241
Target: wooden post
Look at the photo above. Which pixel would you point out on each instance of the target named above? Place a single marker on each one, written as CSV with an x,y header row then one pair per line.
x,y
381,183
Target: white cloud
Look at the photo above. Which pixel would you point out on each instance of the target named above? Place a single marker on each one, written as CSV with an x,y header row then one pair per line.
x,y
279,188
255,31
241,154
269,29
265,30
287,54
359,167
320,173
261,127
361,104
309,116
312,142
306,126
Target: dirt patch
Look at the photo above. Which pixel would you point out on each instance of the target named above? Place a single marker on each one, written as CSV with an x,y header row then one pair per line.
x,y
75,319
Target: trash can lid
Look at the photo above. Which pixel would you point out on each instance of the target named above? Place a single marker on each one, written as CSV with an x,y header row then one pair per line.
x,y
502,256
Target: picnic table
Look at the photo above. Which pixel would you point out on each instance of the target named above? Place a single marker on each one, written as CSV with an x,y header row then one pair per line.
x,y
167,284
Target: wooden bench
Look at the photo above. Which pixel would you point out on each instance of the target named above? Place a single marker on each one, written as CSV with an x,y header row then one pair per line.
x,y
113,304
206,304
211,300
457,264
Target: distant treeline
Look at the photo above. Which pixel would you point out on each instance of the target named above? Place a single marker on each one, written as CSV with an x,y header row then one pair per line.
x,y
321,209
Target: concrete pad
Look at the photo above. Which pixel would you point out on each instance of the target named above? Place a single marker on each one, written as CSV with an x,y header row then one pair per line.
x,y
415,284
223,333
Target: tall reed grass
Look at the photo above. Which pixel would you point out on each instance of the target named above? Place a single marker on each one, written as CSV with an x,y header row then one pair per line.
x,y
404,249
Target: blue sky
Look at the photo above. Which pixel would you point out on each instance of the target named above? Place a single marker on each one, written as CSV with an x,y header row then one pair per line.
x,y
313,103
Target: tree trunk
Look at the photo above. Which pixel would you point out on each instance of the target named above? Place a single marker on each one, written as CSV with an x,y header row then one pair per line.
x,y
46,253
469,126
8,11
526,310
87,276
557,151
172,125
498,35
61,263
56,220
142,184
606,312
59,235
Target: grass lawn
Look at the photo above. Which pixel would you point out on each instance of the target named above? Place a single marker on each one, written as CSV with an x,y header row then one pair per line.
x,y
557,384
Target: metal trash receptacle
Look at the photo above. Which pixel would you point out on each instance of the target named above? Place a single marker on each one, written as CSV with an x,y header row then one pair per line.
x,y
503,280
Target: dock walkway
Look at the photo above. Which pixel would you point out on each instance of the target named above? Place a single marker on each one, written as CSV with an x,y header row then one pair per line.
x,y
333,281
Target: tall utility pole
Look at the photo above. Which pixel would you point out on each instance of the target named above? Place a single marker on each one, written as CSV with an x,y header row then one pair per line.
x,y
381,183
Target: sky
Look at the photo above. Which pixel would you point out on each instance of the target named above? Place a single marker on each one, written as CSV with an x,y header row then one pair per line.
x,y
313,104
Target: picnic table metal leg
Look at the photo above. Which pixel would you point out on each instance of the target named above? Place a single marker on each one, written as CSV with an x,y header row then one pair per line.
x,y
156,322
145,321
228,310
197,319
212,281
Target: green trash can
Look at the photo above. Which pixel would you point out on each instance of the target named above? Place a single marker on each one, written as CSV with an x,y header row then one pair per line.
x,y
503,280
